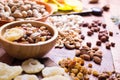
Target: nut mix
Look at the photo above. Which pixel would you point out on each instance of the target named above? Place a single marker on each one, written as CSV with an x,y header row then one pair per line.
x,y
69,30
17,10
90,54
26,33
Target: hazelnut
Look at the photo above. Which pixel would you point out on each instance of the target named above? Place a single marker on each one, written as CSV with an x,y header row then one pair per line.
x,y
119,25
104,25
108,45
89,44
106,7
103,38
112,44
98,43
85,24
110,33
90,33
82,37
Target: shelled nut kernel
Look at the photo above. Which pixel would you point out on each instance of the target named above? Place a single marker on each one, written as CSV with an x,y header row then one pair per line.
x,y
90,54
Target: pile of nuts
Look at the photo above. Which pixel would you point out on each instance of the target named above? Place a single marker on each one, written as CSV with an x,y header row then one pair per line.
x,y
31,34
98,27
11,10
69,30
75,68
90,54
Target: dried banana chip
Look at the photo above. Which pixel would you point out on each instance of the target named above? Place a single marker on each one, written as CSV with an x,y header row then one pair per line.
x,y
26,77
9,72
13,34
32,66
51,71
56,77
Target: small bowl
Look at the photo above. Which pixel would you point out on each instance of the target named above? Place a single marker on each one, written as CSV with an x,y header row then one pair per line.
x,y
24,51
43,19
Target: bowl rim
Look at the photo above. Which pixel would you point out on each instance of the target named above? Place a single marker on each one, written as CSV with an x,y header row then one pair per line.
x,y
55,35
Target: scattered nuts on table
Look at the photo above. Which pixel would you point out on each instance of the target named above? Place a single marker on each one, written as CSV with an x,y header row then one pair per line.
x,y
67,25
90,54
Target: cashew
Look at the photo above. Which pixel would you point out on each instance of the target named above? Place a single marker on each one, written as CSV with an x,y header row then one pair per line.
x,y
68,45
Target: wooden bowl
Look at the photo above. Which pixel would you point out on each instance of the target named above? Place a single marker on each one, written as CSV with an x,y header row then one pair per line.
x,y
43,19
24,51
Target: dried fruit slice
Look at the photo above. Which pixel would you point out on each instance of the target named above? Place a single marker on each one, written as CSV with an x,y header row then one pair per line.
x,y
51,71
26,77
13,34
32,66
56,77
9,72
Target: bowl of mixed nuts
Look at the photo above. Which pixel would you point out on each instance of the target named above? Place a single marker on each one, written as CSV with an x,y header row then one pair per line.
x,y
27,39
19,10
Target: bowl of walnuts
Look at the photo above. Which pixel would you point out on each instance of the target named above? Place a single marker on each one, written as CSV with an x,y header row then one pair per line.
x,y
20,10
27,39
